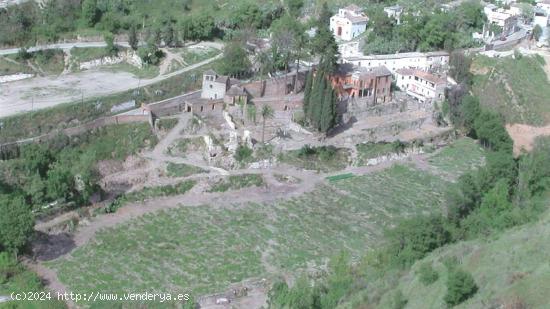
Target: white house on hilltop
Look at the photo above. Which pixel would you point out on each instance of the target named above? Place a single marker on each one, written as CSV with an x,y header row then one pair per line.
x,y
348,23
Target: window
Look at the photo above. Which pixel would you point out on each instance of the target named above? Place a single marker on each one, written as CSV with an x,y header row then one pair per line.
x,y
202,108
213,105
210,86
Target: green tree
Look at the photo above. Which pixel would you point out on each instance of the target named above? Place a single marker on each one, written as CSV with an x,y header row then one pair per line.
x,y
328,112
251,112
324,16
294,7
537,32
490,130
133,40
287,40
169,35
413,238
90,13
267,113
307,92
60,182
110,47
235,60
460,286
16,223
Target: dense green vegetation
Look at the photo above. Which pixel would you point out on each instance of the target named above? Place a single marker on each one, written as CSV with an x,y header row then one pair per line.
x,y
148,193
62,172
424,30
168,21
15,278
46,177
324,158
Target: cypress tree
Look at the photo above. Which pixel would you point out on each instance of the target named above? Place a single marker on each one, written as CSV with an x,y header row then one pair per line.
x,y
328,113
318,93
307,93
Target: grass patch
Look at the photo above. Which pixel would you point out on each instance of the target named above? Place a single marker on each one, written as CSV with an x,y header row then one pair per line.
x,y
188,248
66,115
370,150
192,56
325,158
516,88
50,61
186,145
167,124
84,54
236,182
146,72
183,170
8,67
15,278
461,156
340,177
148,193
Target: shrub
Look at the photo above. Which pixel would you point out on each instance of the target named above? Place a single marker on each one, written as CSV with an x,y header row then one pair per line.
x,y
413,238
398,300
243,154
427,274
8,266
460,287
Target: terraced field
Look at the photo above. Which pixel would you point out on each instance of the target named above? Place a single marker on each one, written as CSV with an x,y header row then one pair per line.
x,y
203,249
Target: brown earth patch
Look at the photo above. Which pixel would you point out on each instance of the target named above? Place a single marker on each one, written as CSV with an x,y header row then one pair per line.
x,y
524,136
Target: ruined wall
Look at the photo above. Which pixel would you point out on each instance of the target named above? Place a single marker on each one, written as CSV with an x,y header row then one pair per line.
x,y
173,105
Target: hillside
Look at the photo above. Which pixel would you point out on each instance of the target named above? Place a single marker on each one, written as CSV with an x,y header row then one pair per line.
x,y
509,270
516,88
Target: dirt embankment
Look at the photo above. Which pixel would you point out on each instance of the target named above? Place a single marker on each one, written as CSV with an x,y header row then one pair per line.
x,y
524,136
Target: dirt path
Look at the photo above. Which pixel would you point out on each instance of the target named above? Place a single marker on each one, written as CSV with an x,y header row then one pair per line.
x,y
166,64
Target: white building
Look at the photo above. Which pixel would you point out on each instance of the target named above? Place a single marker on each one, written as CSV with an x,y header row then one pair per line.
x,y
422,61
214,86
421,85
544,5
394,12
348,23
499,17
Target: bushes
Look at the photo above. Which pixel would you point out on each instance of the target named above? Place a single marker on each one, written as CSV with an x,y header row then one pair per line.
x,y
460,287
427,274
413,238
243,154
236,182
149,192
